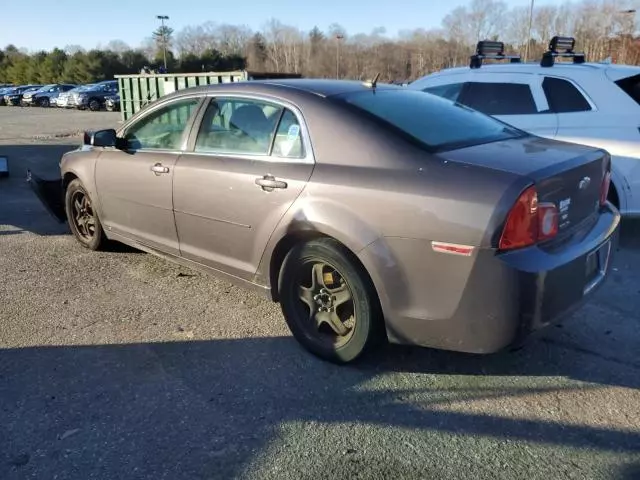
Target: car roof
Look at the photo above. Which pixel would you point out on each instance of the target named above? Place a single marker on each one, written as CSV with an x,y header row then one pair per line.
x,y
612,70
319,87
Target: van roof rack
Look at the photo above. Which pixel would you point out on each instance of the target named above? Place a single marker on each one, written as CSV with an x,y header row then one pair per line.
x,y
490,50
561,47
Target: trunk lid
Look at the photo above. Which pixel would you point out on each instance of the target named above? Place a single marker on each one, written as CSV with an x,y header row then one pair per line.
x,y
565,174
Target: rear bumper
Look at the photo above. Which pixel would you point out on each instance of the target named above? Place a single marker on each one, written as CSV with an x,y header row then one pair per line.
x,y
488,301
50,193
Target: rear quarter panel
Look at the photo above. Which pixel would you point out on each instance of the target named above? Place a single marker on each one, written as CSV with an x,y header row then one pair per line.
x,y
372,189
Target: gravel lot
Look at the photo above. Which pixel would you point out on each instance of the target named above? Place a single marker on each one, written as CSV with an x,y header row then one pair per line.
x,y
119,365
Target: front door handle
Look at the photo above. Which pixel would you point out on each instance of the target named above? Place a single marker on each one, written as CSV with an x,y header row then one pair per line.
x,y
269,183
158,168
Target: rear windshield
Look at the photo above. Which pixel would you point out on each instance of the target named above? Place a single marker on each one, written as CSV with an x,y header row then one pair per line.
x,y
434,122
631,86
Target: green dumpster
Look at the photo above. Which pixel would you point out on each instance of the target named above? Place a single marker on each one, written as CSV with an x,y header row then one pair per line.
x,y
136,91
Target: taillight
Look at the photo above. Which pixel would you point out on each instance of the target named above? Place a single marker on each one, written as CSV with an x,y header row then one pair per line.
x,y
604,189
529,222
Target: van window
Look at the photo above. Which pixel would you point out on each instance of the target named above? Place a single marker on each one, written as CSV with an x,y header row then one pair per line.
x,y
631,86
563,97
450,91
500,98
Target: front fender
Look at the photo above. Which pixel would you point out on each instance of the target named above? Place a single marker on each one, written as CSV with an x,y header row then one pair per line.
x,y
81,163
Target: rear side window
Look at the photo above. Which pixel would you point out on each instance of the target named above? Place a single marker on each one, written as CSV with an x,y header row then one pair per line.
x,y
431,121
500,98
450,92
631,86
563,97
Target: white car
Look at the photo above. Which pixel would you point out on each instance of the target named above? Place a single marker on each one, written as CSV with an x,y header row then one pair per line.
x,y
594,104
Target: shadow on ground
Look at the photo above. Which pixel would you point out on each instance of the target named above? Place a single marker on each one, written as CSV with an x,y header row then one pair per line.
x,y
19,206
205,409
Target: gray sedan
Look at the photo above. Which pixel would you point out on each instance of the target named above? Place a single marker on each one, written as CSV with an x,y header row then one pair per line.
x,y
370,212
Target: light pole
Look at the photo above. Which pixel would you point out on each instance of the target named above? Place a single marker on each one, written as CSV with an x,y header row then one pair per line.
x,y
339,37
526,48
162,18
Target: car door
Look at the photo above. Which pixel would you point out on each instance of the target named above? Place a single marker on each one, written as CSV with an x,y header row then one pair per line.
x,y
135,183
248,162
516,99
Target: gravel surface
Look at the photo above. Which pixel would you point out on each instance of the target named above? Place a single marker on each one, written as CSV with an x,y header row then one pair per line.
x,y
120,365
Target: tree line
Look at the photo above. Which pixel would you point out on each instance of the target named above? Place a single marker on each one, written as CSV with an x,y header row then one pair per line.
x,y
602,28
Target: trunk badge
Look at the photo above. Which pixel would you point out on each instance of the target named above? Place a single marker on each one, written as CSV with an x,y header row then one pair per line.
x,y
584,183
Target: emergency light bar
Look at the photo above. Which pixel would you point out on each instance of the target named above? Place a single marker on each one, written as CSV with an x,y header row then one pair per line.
x,y
492,50
561,47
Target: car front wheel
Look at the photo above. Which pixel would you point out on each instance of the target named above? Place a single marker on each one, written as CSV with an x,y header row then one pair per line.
x,y
83,219
329,302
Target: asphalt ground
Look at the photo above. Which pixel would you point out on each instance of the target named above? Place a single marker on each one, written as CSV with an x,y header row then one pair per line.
x,y
120,365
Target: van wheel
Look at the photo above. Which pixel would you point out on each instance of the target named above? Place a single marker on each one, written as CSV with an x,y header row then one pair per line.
x,y
329,302
94,105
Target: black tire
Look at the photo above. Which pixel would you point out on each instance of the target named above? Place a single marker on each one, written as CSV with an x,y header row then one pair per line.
x,y
94,104
363,308
44,102
92,235
613,196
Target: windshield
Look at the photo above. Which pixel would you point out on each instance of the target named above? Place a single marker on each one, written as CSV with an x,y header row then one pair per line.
x,y
81,88
46,87
434,122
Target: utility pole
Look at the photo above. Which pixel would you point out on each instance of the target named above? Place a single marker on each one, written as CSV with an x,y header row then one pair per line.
x,y
526,49
339,37
162,18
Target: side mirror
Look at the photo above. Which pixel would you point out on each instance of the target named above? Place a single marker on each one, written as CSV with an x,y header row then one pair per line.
x,y
101,138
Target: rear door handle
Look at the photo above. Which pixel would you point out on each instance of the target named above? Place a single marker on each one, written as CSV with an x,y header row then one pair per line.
x,y
158,168
269,183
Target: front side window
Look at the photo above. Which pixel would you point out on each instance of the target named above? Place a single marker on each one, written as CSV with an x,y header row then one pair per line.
x,y
434,122
563,97
238,126
450,91
500,98
163,128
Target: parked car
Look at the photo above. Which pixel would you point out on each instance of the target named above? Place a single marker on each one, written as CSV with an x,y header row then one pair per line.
x,y
587,103
112,103
46,95
3,91
14,96
66,99
364,209
94,97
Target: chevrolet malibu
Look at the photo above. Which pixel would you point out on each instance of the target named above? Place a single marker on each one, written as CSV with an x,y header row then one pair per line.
x,y
369,212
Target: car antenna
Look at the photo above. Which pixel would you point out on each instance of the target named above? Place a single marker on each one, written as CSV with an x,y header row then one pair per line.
x,y
373,83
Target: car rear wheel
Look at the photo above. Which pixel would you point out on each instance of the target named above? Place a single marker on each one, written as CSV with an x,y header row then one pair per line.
x,y
94,105
44,102
329,302
83,219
